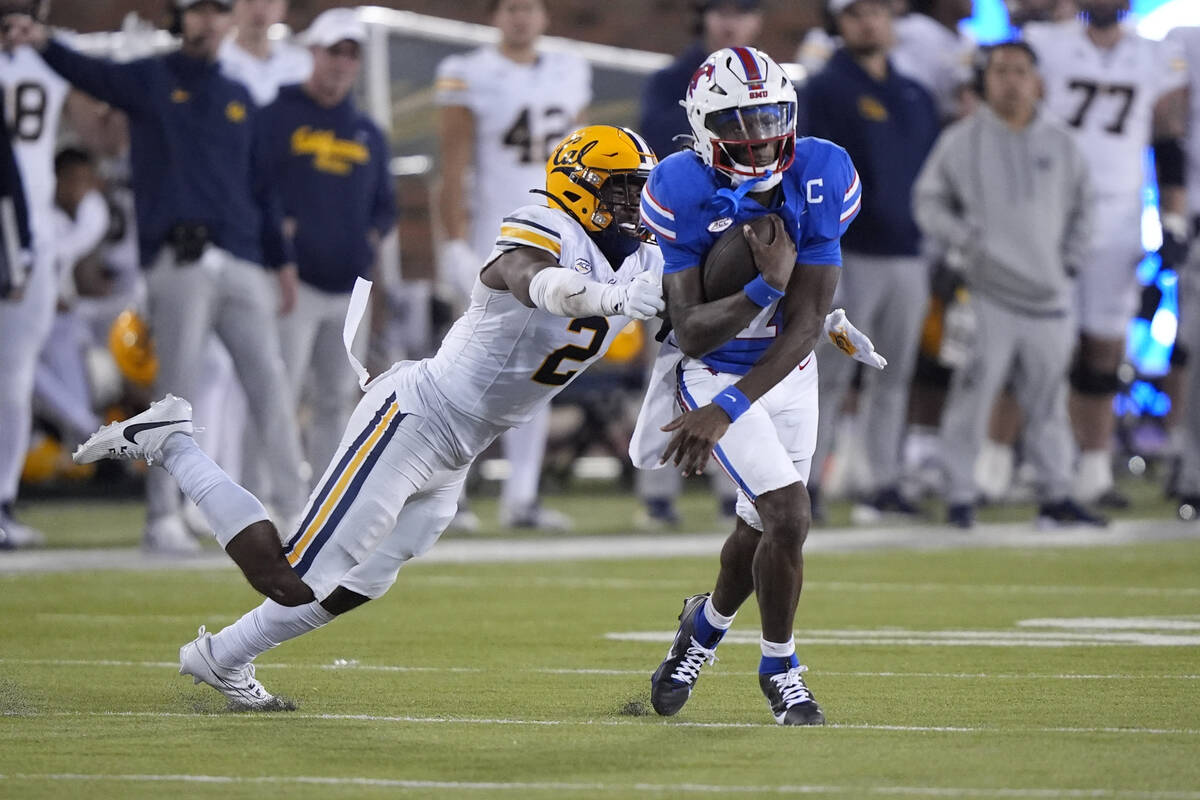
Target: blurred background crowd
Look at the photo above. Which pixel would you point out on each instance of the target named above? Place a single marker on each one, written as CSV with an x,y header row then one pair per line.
x,y
1021,256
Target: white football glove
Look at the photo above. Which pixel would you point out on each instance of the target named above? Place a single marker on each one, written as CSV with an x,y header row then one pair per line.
x,y
851,341
641,298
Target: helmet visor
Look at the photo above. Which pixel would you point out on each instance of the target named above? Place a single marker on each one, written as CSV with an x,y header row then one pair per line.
x,y
753,136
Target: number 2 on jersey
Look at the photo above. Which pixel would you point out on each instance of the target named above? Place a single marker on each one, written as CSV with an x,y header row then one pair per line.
x,y
548,372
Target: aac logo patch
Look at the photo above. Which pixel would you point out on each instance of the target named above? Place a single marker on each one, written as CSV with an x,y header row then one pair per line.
x,y
582,266
718,225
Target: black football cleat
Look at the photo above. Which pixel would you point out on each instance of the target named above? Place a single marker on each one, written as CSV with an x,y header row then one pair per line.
x,y
1067,513
960,515
672,683
789,698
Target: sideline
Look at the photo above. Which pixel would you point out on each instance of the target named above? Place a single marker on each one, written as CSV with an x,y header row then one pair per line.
x,y
464,550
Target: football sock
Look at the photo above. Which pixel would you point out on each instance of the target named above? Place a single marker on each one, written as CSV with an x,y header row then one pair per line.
x,y
777,657
711,625
660,507
265,627
227,507
1093,475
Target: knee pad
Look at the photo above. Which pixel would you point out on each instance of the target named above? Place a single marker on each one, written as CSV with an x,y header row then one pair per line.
x,y
1088,381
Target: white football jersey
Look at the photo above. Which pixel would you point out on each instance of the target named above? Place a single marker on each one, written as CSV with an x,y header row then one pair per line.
x,y
1188,40
502,360
1107,98
287,64
33,99
521,112
936,57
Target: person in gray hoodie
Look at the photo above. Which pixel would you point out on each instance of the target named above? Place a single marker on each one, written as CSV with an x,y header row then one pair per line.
x,y
1007,192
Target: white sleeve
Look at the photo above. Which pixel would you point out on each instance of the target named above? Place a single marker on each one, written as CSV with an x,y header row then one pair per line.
x,y
452,85
532,226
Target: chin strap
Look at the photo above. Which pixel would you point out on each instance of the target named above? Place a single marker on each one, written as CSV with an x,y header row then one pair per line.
x,y
729,201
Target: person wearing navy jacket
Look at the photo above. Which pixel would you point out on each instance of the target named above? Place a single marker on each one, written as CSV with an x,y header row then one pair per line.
x,y
888,123
330,162
207,222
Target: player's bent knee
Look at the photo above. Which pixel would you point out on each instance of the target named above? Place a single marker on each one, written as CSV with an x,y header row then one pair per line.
x,y
1093,382
279,583
786,513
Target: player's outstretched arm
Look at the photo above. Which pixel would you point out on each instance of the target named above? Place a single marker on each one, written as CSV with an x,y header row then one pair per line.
x,y
535,279
121,85
702,327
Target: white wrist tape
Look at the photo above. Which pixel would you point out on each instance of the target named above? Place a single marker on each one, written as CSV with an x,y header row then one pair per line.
x,y
569,294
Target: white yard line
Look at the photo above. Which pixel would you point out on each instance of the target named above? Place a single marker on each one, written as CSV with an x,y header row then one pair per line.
x,y
717,673
622,548
608,723
655,788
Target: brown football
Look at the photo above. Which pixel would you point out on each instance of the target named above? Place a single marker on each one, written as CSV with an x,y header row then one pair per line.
x,y
729,264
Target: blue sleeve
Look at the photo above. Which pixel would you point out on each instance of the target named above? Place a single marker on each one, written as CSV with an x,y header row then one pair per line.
x,y
841,198
383,210
680,249
126,86
278,250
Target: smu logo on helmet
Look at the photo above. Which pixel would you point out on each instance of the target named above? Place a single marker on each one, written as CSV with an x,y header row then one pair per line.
x,y
705,71
756,95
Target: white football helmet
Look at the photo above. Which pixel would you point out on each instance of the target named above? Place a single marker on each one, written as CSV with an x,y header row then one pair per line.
x,y
742,109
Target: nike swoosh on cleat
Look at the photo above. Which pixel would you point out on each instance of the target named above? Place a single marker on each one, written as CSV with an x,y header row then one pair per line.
x,y
134,430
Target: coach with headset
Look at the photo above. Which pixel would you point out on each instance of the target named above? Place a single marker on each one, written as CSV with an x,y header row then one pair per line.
x,y
206,222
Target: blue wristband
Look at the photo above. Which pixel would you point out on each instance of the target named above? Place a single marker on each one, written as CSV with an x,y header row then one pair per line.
x,y
732,402
761,293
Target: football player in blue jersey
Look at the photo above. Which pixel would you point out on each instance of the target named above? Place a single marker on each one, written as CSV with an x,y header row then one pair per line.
x,y
741,368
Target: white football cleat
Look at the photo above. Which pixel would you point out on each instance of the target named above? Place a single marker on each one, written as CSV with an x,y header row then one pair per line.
x,y
140,436
239,685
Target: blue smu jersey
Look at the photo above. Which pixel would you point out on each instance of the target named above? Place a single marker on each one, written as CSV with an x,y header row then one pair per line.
x,y
821,196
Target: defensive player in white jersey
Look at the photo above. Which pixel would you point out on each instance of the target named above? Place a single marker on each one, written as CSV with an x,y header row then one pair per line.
x,y
1117,91
503,108
34,96
559,284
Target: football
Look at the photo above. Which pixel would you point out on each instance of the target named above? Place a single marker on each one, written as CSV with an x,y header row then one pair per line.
x,y
729,264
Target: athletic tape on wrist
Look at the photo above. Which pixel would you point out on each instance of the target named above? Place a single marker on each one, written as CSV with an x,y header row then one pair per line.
x,y
761,293
732,402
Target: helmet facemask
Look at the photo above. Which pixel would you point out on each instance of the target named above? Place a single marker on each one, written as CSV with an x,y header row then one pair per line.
x,y
747,142
620,200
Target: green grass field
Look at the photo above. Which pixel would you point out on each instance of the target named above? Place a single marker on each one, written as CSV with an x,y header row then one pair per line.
x,y
979,673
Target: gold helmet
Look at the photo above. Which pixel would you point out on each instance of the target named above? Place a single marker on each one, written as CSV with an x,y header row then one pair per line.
x,y
596,175
132,348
